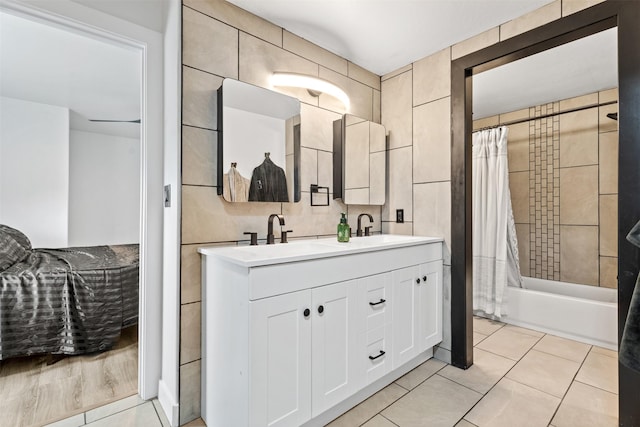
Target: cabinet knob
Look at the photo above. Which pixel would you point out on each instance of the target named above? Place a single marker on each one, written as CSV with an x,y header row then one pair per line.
x,y
306,312
379,355
320,309
424,278
418,280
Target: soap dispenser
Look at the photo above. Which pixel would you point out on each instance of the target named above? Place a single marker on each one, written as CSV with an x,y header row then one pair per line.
x,y
343,229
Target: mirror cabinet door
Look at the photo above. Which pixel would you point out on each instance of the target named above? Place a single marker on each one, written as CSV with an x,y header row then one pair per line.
x,y
258,144
361,155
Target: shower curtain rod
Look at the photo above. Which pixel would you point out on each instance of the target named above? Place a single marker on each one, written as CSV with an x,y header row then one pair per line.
x,y
544,116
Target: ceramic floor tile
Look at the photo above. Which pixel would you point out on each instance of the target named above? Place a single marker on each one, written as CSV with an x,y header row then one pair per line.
x,y
587,406
477,338
370,407
112,408
525,331
599,371
486,371
565,348
75,421
511,404
485,326
509,342
415,377
545,372
378,421
138,416
196,423
465,423
605,351
436,402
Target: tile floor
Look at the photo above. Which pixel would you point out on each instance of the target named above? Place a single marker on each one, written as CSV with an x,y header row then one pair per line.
x,y
520,377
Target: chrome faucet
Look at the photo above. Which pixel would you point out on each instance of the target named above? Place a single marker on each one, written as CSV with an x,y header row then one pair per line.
x,y
270,237
366,229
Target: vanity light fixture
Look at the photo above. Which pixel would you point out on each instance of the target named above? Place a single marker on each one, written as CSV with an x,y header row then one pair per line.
x,y
314,85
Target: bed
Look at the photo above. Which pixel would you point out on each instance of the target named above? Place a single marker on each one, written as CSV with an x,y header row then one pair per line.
x,y
64,301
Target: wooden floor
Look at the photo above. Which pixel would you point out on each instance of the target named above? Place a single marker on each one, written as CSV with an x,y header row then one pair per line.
x,y
33,393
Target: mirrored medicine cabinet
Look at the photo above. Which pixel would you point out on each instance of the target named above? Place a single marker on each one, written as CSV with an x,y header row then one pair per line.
x,y
258,144
359,161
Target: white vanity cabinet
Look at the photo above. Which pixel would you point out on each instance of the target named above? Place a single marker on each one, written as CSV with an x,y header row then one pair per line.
x,y
297,339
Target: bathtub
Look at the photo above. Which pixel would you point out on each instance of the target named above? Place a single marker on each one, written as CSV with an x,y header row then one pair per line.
x,y
583,313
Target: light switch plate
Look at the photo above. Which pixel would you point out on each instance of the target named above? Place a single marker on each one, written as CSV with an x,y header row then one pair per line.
x,y
167,196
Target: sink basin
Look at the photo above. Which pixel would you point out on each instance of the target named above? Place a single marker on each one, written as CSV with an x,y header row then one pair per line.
x,y
300,250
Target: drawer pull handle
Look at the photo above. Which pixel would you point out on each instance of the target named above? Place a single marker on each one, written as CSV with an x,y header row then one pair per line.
x,y
375,357
377,303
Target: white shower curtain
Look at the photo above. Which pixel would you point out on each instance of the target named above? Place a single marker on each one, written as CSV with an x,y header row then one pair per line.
x,y
495,246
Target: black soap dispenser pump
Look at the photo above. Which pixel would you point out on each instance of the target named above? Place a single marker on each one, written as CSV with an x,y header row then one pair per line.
x,y
343,229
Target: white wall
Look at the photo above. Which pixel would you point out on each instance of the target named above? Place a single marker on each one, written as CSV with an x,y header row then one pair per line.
x,y
34,170
104,189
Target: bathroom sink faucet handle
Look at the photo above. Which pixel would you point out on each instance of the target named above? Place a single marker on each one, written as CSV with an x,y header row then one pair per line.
x,y
270,236
254,237
359,230
367,230
283,236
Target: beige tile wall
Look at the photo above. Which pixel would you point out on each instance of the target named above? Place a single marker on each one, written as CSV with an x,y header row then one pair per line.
x,y
221,40
579,246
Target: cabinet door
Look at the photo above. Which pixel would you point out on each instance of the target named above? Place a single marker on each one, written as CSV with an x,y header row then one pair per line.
x,y
280,389
376,334
405,305
430,303
333,344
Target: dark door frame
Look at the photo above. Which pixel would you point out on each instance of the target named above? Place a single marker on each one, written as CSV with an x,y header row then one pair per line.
x,y
625,15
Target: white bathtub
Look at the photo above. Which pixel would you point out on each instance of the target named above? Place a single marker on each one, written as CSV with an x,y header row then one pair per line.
x,y
583,313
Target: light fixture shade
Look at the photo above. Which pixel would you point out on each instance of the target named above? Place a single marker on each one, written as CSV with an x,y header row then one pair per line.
x,y
310,83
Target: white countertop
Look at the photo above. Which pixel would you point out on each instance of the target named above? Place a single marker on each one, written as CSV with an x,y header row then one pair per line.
x,y
301,250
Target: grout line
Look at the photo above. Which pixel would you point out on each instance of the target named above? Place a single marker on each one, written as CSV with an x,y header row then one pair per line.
x,y
591,385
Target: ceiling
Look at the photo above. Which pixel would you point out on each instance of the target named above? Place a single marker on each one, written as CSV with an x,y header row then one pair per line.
x,y
92,78
384,35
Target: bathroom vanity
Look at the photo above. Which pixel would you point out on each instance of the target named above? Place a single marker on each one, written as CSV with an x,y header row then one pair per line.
x,y
295,334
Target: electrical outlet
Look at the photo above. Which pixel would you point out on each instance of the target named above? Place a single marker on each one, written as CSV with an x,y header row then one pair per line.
x,y
399,215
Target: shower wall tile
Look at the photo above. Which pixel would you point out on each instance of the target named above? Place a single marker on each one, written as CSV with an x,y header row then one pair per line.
x,y
518,147
399,184
579,138
609,163
608,95
486,122
531,20
396,109
609,272
609,225
579,101
309,164
579,195
358,73
199,156
432,141
514,115
432,77
573,6
519,186
190,274
307,220
189,392
607,124
238,18
376,107
475,43
404,228
199,98
190,332
524,250
315,53
197,50
579,248
325,170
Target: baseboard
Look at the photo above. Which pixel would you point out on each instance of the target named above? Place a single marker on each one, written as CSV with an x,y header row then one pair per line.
x,y
169,405
442,354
